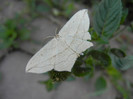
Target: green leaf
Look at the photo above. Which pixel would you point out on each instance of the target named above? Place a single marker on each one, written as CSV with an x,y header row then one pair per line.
x,y
125,93
24,34
100,84
97,38
80,71
94,35
114,73
43,8
101,56
89,63
10,24
7,36
118,52
102,40
69,9
122,63
124,15
12,31
59,76
49,84
107,17
49,3
33,4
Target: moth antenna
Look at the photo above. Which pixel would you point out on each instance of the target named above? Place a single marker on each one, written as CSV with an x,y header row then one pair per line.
x,y
48,37
52,36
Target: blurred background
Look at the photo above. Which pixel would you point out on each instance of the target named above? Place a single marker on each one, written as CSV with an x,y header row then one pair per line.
x,y
24,27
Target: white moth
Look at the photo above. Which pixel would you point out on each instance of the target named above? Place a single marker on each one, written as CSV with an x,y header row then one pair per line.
x,y
62,51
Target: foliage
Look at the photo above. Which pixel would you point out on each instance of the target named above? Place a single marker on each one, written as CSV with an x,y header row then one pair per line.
x,y
80,71
122,63
100,85
50,85
102,57
107,18
128,4
56,7
58,76
13,31
90,2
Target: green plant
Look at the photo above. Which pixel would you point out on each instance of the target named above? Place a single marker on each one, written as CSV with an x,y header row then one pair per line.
x,y
89,3
111,62
128,4
56,7
12,31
